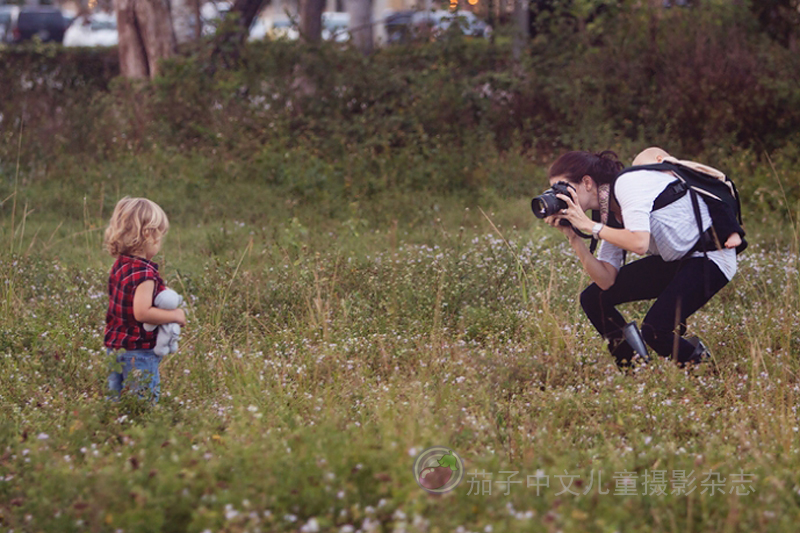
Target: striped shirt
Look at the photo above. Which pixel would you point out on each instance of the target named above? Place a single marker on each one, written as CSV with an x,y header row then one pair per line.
x,y
673,228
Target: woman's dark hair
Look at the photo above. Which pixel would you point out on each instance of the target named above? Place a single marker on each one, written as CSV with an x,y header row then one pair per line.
x,y
603,167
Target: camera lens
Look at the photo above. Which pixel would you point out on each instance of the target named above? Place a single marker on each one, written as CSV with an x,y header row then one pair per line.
x,y
545,205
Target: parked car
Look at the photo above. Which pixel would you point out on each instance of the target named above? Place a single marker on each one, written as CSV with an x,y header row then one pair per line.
x,y
259,29
97,29
44,23
8,17
282,27
212,13
335,26
398,26
439,22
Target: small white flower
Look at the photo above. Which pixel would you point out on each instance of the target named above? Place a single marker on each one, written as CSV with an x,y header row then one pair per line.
x,y
230,512
312,526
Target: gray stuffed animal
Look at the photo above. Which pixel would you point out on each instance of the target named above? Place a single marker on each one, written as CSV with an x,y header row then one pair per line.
x,y
167,339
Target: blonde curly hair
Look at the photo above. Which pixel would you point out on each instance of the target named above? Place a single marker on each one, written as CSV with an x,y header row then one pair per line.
x,y
134,223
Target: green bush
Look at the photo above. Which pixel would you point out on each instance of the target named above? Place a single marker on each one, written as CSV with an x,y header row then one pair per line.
x,y
669,76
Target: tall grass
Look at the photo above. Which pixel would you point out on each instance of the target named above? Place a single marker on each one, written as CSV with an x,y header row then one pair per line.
x,y
324,351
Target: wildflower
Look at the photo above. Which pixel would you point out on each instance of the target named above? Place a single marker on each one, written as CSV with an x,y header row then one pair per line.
x,y
312,526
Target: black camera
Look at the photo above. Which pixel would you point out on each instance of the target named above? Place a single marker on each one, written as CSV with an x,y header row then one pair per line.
x,y
548,203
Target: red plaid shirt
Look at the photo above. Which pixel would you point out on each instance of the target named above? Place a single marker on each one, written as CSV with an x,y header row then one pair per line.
x,y
123,331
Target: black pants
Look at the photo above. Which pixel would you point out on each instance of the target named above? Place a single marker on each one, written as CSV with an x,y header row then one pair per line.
x,y
679,287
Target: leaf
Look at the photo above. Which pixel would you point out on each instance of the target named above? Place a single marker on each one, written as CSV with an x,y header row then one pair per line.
x,y
449,460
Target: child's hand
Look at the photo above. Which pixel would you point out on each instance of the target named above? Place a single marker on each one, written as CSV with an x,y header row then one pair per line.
x,y
733,241
180,317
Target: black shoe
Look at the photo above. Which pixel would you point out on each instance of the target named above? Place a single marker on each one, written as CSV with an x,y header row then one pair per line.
x,y
622,352
701,356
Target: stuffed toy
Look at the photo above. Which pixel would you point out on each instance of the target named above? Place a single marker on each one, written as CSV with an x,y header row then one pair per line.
x,y
167,339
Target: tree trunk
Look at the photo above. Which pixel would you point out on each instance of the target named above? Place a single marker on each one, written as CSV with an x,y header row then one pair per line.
x,y
248,11
227,44
311,20
361,24
198,20
521,25
145,36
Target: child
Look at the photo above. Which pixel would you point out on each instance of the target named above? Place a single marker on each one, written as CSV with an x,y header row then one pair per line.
x,y
724,221
134,237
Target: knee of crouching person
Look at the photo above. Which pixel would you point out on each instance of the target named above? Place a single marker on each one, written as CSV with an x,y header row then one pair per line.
x,y
590,297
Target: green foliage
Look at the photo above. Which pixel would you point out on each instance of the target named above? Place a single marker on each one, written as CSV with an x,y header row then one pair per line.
x,y
622,74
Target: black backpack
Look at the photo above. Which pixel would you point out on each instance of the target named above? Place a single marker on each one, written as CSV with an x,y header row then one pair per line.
x,y
714,187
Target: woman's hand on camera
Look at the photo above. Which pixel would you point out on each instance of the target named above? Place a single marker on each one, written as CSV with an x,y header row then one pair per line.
x,y
574,214
555,221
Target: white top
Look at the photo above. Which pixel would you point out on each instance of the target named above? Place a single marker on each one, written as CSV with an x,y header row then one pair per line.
x,y
673,228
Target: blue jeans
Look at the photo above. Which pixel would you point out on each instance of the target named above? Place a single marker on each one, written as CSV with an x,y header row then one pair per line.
x,y
146,363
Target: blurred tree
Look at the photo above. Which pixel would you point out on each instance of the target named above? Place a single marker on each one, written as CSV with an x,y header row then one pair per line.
x,y
244,13
311,20
361,24
545,15
562,17
145,36
780,19
521,26
233,32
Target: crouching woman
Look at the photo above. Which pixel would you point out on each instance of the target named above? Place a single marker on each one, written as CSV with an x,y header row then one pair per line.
x,y
679,279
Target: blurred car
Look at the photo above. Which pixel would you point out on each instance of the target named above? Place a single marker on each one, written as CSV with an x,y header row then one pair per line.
x,y
283,28
44,23
98,29
211,14
259,29
335,26
398,26
439,22
8,17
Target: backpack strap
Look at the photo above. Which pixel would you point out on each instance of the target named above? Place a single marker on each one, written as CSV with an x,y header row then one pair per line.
x,y
674,191
701,241
611,222
593,244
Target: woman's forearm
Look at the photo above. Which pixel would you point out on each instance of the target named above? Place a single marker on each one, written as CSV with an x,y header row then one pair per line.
x,y
601,272
637,242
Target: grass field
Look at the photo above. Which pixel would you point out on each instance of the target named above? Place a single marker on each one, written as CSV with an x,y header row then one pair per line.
x,y
325,352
